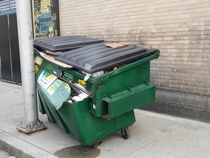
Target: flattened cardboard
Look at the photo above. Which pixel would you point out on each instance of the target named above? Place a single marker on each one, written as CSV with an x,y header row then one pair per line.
x,y
51,59
115,45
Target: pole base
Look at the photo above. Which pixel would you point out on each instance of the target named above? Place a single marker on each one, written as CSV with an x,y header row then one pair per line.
x,y
29,127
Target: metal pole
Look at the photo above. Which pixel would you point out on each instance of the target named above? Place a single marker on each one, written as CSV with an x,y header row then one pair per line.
x,y
31,122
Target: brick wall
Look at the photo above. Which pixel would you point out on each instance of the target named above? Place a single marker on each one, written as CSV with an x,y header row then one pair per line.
x,y
180,29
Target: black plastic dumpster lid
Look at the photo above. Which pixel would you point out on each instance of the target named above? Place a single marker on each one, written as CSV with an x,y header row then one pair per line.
x,y
62,43
99,57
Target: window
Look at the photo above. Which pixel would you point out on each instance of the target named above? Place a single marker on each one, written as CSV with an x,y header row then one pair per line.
x,y
7,6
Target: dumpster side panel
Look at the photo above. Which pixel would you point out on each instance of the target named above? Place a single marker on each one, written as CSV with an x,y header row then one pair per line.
x,y
52,113
85,127
77,119
121,82
128,100
43,108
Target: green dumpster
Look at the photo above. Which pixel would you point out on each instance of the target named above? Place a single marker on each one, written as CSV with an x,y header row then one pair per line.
x,y
108,100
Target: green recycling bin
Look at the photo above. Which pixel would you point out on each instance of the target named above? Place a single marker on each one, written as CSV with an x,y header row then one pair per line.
x,y
110,88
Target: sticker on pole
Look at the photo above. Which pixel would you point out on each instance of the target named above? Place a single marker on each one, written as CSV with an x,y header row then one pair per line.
x,y
45,79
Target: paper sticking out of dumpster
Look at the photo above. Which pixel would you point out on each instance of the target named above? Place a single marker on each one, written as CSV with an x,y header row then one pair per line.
x,y
51,59
52,53
79,97
55,91
115,45
95,74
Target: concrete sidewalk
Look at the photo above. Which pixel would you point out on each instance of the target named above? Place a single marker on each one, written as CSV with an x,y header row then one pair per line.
x,y
153,135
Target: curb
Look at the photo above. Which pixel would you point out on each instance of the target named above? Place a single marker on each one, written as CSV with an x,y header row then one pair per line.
x,y
20,148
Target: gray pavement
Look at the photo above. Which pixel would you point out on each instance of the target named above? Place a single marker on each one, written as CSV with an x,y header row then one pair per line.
x,y
4,154
153,135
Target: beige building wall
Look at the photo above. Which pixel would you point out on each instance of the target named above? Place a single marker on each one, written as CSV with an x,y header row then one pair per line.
x,y
180,29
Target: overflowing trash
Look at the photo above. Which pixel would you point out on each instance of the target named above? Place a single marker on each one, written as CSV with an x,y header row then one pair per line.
x,y
90,87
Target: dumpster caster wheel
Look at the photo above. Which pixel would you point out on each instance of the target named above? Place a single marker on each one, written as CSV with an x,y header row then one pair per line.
x,y
96,144
125,133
